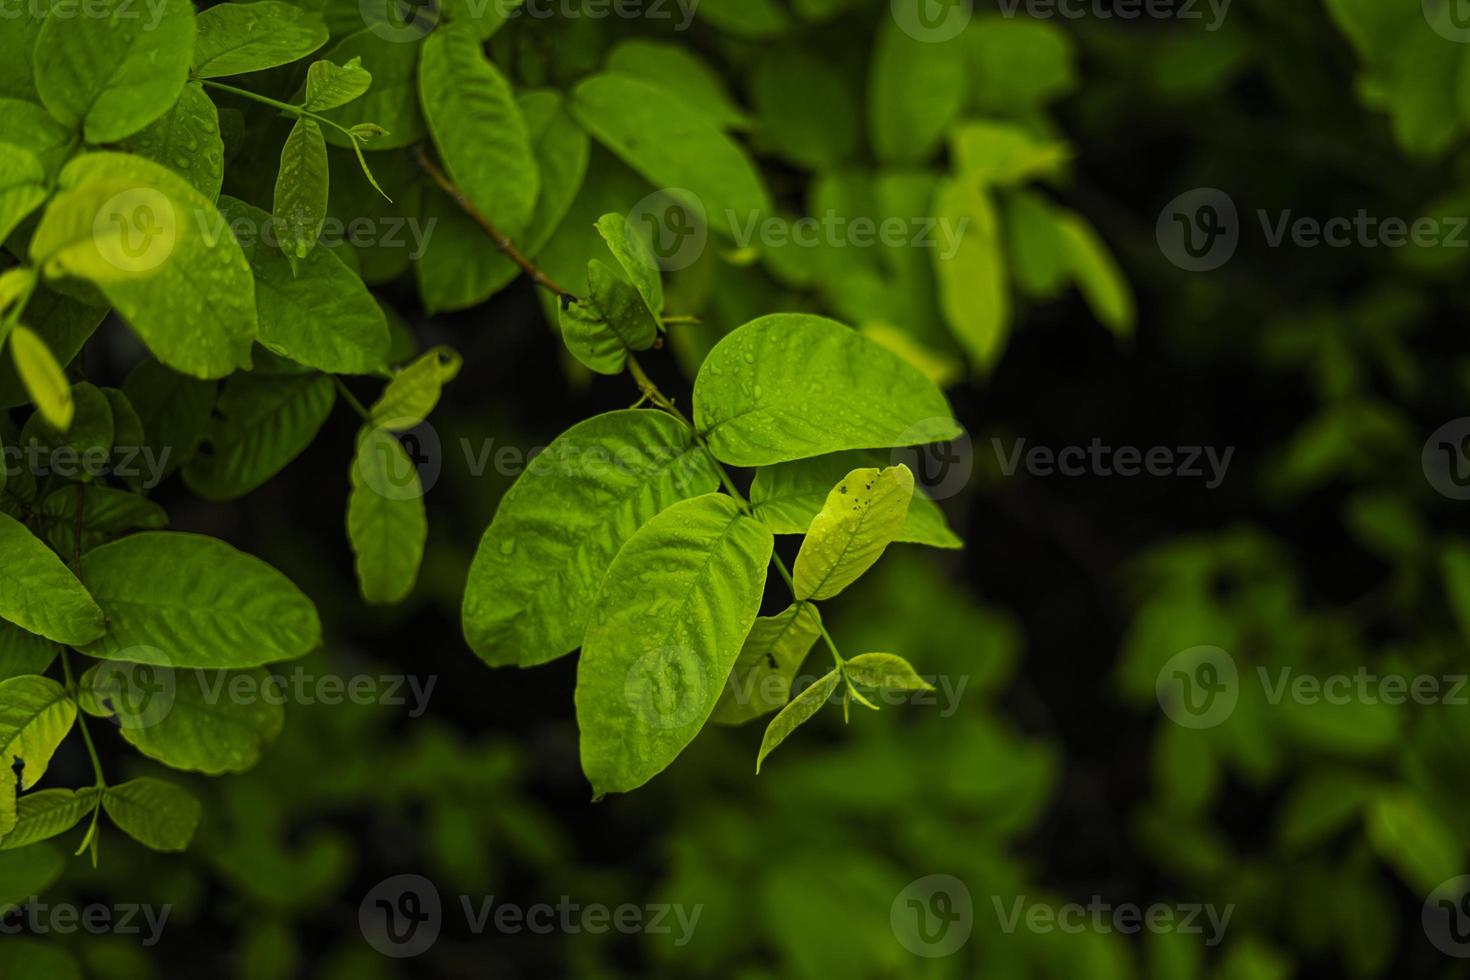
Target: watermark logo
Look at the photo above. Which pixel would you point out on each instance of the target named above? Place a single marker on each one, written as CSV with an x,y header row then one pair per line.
x,y
1102,917
402,916
933,21
1199,230
1199,687
674,225
400,459
933,916
941,469
136,231
1450,19
1446,459
1446,917
666,688
399,21
138,688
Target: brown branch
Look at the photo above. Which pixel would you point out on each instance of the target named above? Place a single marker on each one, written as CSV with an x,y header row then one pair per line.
x,y
501,240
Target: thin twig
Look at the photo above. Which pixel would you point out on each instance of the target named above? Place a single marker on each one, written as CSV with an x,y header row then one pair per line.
x,y
501,240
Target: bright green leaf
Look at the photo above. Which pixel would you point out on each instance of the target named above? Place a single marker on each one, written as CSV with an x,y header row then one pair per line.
x,y
184,600
664,634
157,814
797,713
114,71
478,128
386,521
791,386
772,654
863,514
238,38
538,567
160,252
39,593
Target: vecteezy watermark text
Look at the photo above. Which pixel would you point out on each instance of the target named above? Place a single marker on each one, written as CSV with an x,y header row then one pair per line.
x,y
404,915
1096,459
38,918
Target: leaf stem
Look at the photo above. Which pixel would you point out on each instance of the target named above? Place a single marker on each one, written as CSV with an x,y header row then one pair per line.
x,y
301,112
501,240
351,399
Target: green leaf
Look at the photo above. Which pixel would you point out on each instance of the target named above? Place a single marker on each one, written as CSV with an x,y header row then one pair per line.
x,y
106,513
386,521
15,283
457,270
790,386
114,71
158,250
25,874
184,600
1405,830
30,127
886,672
187,140
673,146
1017,63
300,204
22,186
261,423
635,258
64,324
478,128
665,632
557,530
91,430
42,377
157,814
772,654
1454,563
807,111
329,86
915,90
236,38
39,594
864,513
192,720
788,496
751,19
48,813
998,153
797,713
174,409
973,287
600,331
415,390
680,71
23,652
1098,275
35,715
393,100
1040,260
33,959
322,315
